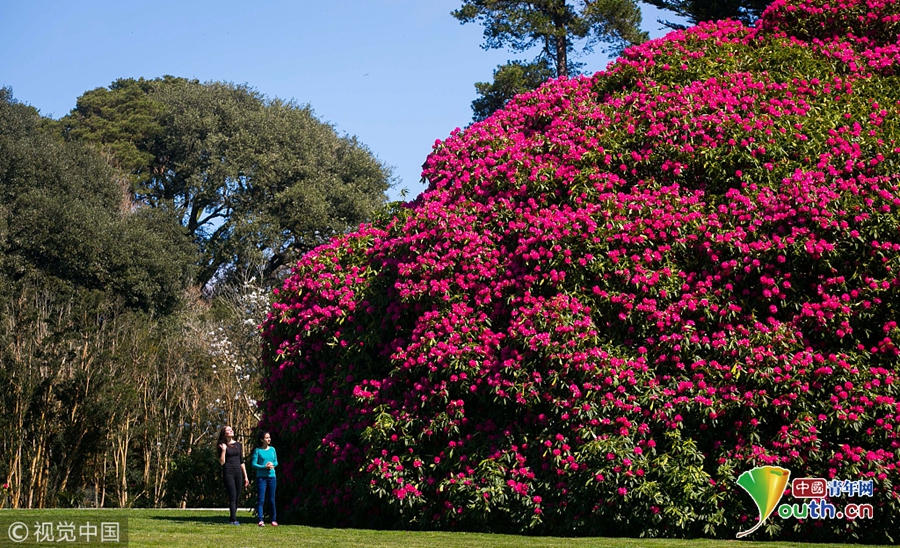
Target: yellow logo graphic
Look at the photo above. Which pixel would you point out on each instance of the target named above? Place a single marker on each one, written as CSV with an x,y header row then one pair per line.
x,y
765,484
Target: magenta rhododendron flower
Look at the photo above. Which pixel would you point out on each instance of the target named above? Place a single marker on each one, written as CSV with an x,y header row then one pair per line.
x,y
616,295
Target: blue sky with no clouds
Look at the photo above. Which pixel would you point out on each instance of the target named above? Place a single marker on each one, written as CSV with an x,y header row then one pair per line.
x,y
398,74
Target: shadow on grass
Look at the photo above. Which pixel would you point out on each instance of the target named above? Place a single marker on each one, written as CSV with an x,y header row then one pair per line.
x,y
217,518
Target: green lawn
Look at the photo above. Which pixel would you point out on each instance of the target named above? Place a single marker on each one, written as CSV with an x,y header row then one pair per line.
x,y
208,529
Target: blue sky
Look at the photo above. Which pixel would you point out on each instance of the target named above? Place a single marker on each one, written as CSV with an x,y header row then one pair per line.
x,y
398,74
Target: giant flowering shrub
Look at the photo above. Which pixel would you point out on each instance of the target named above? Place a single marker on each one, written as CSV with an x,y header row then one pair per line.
x,y
618,294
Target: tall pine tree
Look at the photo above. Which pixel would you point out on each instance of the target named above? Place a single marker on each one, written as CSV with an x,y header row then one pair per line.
x,y
697,11
559,28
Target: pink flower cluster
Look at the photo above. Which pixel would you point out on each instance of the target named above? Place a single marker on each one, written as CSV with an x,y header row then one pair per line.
x,y
619,293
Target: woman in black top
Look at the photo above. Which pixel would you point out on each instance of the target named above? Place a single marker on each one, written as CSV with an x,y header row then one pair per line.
x,y
231,457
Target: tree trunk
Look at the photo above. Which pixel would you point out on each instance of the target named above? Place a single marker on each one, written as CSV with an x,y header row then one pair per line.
x,y
561,41
562,62
120,461
103,483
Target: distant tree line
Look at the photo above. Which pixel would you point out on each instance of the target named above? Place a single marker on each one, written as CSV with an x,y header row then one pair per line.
x,y
141,235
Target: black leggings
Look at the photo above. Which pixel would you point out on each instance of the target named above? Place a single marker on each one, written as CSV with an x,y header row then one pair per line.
x,y
234,484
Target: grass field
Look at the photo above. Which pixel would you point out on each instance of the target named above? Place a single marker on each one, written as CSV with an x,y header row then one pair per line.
x,y
208,529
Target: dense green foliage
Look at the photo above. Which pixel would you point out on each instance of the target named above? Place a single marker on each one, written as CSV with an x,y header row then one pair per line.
x,y
116,373
253,180
67,220
617,295
84,279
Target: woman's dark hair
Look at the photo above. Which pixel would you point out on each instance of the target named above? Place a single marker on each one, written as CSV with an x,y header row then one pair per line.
x,y
260,435
222,436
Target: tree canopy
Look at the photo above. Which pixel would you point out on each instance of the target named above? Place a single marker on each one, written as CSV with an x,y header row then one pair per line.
x,y
557,28
697,11
67,219
253,180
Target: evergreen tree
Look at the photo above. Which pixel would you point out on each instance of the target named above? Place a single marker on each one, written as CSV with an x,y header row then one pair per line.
x,y
556,27
510,80
697,11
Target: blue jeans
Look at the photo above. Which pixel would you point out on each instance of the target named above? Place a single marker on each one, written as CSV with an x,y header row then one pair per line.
x,y
266,489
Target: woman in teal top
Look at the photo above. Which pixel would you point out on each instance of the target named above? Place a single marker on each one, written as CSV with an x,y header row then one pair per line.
x,y
264,461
